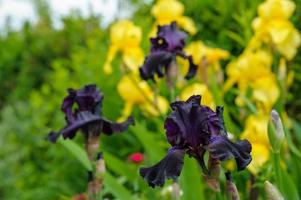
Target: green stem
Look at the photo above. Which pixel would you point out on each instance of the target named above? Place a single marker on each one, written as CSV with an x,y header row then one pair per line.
x,y
277,169
136,84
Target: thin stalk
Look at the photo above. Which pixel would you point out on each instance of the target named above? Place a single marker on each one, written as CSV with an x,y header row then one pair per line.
x,y
277,169
136,84
95,183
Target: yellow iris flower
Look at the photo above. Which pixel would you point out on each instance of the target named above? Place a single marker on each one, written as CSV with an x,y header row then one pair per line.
x,y
265,92
136,92
198,89
247,68
201,52
167,11
273,27
256,132
253,70
125,38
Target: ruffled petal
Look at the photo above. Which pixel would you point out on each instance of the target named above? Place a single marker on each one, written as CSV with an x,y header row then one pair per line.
x,y
192,69
191,124
109,127
169,38
154,64
169,167
221,148
67,105
89,98
82,120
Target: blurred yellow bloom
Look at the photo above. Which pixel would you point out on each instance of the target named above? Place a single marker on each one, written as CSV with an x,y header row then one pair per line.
x,y
198,89
273,27
256,132
260,155
276,9
265,92
252,70
247,68
136,92
167,11
200,51
125,38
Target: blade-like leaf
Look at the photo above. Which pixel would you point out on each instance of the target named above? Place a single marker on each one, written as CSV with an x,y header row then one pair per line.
x,y
149,142
191,181
117,189
119,167
77,152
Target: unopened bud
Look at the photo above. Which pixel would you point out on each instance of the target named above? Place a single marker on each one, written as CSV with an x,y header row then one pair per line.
x,y
272,192
275,131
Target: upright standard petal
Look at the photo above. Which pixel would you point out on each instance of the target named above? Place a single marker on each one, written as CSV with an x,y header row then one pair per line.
x,y
190,124
169,38
169,167
168,44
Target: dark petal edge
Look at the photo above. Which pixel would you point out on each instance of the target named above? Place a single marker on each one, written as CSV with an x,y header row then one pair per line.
x,y
110,127
169,167
52,136
221,148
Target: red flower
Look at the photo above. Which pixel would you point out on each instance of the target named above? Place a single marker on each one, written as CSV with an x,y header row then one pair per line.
x,y
136,158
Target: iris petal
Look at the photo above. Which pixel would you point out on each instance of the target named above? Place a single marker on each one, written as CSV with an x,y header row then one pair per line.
x,y
169,167
110,127
221,148
191,124
154,63
53,136
83,119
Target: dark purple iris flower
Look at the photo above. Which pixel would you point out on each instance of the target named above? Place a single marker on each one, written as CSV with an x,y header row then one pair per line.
x,y
168,44
87,115
193,129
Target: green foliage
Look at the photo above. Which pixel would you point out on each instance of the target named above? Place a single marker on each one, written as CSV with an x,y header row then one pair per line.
x,y
37,65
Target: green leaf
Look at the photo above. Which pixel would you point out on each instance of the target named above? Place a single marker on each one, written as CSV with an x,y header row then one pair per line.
x,y
149,141
77,152
117,189
120,167
290,190
191,181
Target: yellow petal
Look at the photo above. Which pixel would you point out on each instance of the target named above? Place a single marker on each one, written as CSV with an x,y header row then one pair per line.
x,y
198,89
125,34
266,92
260,155
288,47
187,24
280,30
159,105
276,9
166,11
256,129
197,50
132,90
133,58
127,110
107,68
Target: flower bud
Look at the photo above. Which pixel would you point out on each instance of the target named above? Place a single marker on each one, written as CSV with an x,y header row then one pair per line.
x,y
272,192
275,131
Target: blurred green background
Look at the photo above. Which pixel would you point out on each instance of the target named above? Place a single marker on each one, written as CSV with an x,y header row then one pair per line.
x,y
38,63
